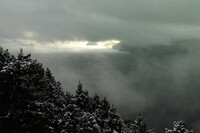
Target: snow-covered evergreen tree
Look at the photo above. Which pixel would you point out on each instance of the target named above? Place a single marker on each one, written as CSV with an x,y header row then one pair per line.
x,y
114,120
179,127
88,124
35,99
139,125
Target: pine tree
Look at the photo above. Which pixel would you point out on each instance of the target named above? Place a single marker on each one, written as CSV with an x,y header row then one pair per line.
x,y
82,98
6,90
179,127
88,124
139,125
114,120
32,100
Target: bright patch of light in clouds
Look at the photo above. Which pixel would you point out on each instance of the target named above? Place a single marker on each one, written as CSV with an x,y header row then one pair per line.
x,y
87,45
77,46
108,43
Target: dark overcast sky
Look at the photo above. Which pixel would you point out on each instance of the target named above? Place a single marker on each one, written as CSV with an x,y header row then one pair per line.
x,y
154,69
136,22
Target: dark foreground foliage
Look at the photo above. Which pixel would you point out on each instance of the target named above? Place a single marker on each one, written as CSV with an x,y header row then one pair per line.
x,y
32,101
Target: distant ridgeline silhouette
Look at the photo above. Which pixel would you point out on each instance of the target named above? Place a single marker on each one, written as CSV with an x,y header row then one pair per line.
x,y
32,101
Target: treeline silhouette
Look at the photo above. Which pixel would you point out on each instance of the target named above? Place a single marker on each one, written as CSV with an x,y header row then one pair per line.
x,y
32,101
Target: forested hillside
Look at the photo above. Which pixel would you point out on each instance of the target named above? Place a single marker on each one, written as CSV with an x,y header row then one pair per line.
x,y
32,101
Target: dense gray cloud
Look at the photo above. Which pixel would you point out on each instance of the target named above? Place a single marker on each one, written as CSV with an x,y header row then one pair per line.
x,y
136,22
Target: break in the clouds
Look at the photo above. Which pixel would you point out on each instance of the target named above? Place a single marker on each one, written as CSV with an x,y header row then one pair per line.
x,y
133,22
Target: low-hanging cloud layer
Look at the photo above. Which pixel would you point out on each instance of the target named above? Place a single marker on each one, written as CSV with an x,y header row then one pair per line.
x,y
160,83
142,55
